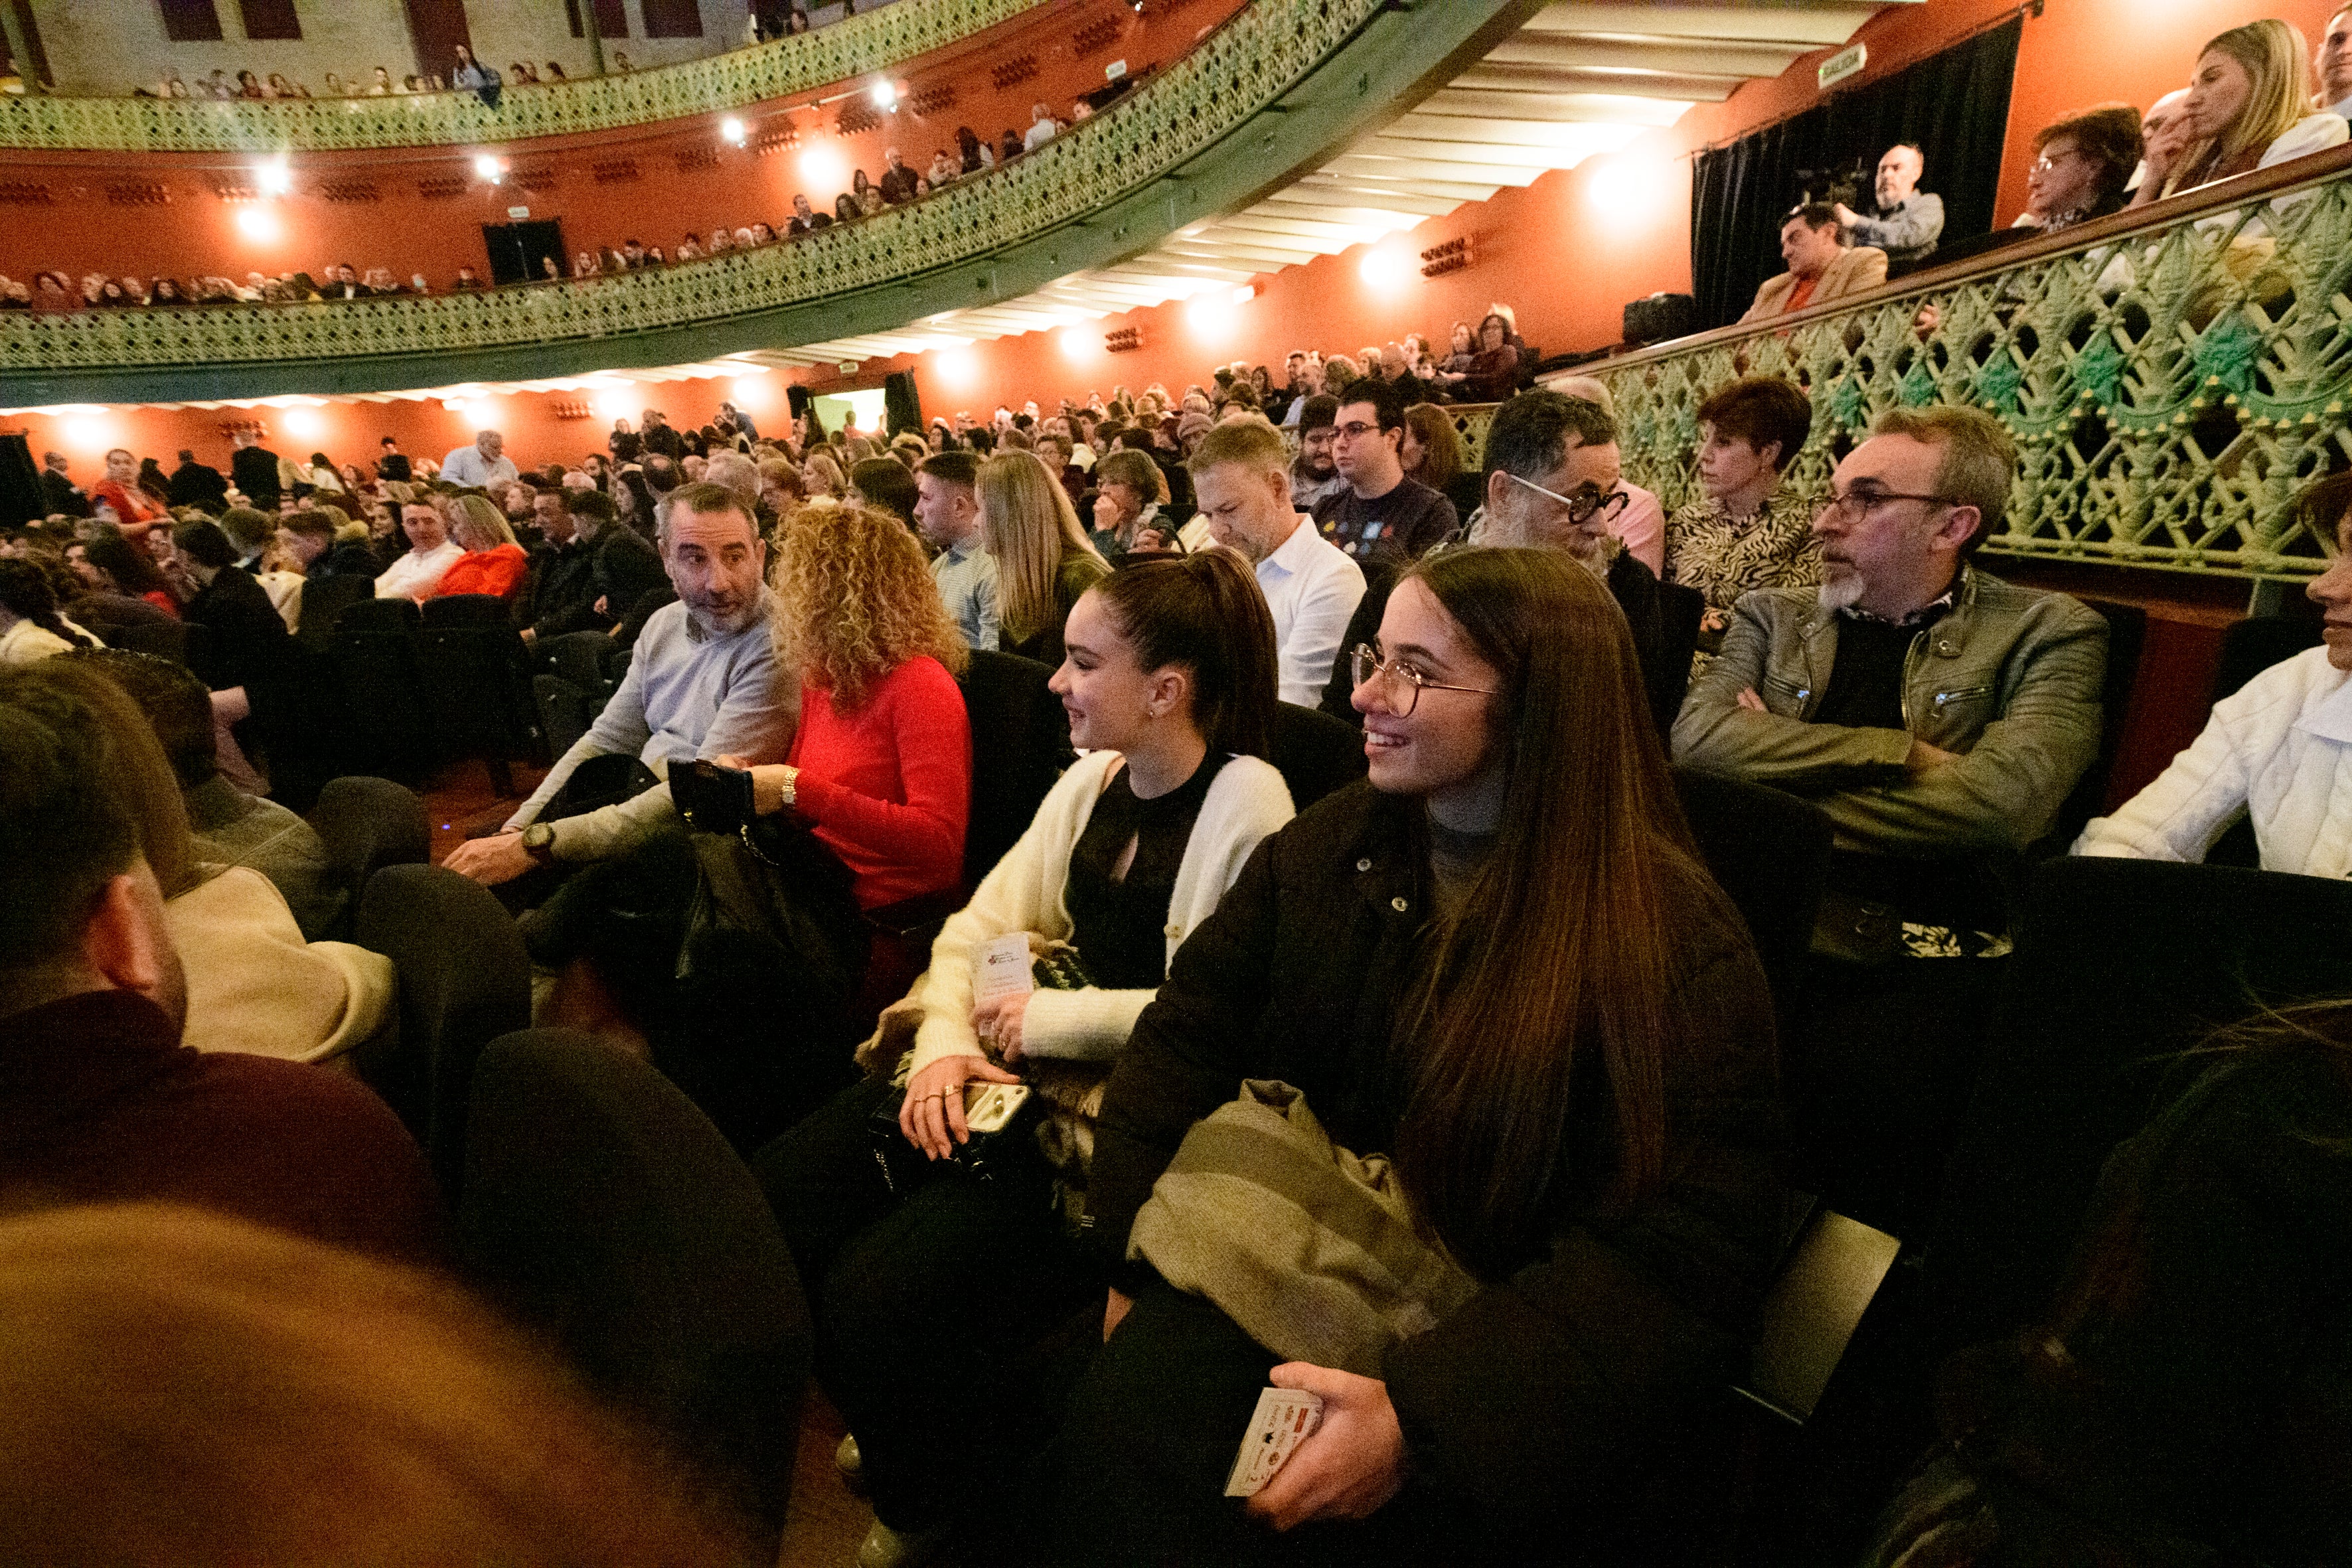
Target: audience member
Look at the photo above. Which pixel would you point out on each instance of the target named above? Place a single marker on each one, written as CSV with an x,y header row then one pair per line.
x,y
559,592
1403,952
1311,587
1315,472
430,553
393,464
1042,131
197,484
1746,530
1493,373
886,485
312,545
1431,451
1381,514
2080,165
703,683
123,586
492,563
1906,221
947,513
2246,109
134,509
1127,492
1042,559
179,1375
101,1098
1169,685
31,628
253,468
1822,267
480,465
64,498
2334,64
2274,751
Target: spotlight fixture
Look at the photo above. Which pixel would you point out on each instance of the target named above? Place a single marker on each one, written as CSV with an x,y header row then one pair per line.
x,y
732,129
274,178
488,166
886,97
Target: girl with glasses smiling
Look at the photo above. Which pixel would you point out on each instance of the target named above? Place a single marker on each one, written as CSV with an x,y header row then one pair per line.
x,y
1498,962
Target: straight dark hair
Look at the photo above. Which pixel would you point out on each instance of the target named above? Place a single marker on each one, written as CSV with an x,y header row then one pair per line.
x,y
1542,1003
1205,613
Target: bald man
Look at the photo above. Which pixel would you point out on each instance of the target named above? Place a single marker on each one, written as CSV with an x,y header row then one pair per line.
x,y
1909,220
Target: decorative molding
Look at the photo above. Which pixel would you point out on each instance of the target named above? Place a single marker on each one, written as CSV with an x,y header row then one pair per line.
x,y
853,47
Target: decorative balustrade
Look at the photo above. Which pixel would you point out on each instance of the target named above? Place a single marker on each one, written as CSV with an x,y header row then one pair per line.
x,y
1185,109
2172,380
875,40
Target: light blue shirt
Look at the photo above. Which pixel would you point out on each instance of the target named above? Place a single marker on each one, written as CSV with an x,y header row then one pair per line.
x,y
465,467
967,578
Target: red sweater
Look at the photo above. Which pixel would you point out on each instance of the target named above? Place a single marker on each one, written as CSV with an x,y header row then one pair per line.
x,y
890,786
496,572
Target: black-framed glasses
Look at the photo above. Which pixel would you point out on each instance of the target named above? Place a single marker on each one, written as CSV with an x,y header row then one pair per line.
x,y
1365,663
1583,504
1356,430
1856,505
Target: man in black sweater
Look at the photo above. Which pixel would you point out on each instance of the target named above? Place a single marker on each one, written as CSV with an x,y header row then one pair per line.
x,y
393,464
198,485
254,470
62,496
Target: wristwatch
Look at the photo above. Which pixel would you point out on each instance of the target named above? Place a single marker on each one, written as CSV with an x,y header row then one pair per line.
x,y
539,841
791,786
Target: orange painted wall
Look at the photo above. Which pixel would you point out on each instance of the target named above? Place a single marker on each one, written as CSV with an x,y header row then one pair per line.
x,y
197,233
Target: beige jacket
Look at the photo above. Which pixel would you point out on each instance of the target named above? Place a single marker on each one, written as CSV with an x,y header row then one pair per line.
x,y
1853,272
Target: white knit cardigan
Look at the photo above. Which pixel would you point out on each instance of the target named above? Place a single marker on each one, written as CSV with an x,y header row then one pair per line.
x,y
1025,892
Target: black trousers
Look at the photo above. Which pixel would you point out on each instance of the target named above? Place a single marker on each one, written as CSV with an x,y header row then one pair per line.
x,y
944,1317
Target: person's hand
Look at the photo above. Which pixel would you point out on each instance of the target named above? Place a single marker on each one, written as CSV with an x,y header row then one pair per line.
x,y
1925,756
1714,620
530,635
490,861
932,1116
1350,1465
1115,1308
603,600
1847,217
999,1020
1925,323
1749,700
1150,538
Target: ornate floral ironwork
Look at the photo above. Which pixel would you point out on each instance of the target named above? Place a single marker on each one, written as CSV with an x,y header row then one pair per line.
x,y
2170,391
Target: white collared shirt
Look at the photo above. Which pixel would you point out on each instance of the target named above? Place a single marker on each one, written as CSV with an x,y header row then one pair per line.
x,y
1312,588
415,576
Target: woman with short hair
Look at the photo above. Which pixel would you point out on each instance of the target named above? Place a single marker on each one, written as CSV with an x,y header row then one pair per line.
x,y
2080,164
1044,560
1745,530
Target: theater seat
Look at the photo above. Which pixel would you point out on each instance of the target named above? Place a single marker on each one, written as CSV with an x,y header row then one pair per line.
x,y
1020,744
1314,752
464,980
477,686
366,825
323,600
1769,852
381,710
604,1209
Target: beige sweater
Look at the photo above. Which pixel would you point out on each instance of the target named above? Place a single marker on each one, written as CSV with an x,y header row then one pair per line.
x,y
254,985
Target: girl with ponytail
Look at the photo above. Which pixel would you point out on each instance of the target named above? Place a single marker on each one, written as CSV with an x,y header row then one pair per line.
x,y
30,626
926,1298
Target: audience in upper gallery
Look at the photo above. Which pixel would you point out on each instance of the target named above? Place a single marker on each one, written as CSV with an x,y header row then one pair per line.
x,y
2181,1400
1745,530
179,1375
1584,1168
1906,221
492,563
101,1098
2333,63
2247,109
947,513
2277,750
2081,165
1381,514
1824,265
1044,560
1553,482
1938,714
1170,689
704,682
431,553
1311,588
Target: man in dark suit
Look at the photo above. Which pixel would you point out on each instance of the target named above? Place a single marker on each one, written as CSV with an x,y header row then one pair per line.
x,y
393,464
254,470
347,285
58,489
197,484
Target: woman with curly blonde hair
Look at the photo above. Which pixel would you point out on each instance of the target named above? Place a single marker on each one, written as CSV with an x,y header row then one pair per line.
x,y
1043,559
881,766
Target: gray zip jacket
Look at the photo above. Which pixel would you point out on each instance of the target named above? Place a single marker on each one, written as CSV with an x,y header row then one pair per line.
x,y
2010,678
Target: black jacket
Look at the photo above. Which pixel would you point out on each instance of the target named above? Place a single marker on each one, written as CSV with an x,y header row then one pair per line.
x,y
664,439
255,470
349,558
627,574
1537,1404
198,485
249,644
1662,637
63,496
559,593
394,467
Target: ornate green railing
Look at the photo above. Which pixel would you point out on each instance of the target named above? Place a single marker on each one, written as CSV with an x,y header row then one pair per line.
x,y
1208,131
849,48
2173,379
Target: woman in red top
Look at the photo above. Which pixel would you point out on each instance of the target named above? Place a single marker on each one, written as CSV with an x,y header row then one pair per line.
x,y
134,509
493,563
881,766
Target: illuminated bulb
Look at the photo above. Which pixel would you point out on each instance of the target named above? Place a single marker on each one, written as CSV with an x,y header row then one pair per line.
x,y
824,169
1385,267
956,365
257,223
487,167
1244,294
1077,342
1207,315
732,129
304,422
274,178
886,96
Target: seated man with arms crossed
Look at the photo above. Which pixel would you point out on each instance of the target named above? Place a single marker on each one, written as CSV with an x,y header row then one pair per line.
x,y
703,684
1240,472
100,1098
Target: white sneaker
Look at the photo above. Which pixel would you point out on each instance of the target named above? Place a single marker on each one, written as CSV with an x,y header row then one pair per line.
x,y
887,1548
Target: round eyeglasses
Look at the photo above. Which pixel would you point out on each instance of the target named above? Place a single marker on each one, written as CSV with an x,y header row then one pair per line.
x,y
1399,682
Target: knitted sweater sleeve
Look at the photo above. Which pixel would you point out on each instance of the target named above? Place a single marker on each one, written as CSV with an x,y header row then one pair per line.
x,y
932,736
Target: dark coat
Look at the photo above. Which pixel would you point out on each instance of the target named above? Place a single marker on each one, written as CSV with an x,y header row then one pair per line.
x,y
393,467
347,558
254,471
249,646
198,485
1540,1401
559,595
63,496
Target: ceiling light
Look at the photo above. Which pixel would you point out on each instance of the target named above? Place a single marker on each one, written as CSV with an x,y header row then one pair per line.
x,y
487,166
274,178
886,96
732,129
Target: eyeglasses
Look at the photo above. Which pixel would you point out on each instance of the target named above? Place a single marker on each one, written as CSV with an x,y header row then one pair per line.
x,y
1356,431
1856,505
1583,505
2045,163
1364,664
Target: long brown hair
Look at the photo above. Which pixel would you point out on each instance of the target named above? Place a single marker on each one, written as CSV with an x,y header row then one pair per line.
x,y
1205,613
1029,525
1556,966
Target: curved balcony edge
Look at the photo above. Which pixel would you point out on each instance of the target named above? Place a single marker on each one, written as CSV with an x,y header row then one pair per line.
x,y
1273,91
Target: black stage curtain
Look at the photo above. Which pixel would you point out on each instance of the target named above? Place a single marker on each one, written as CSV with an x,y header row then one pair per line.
x,y
1954,105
